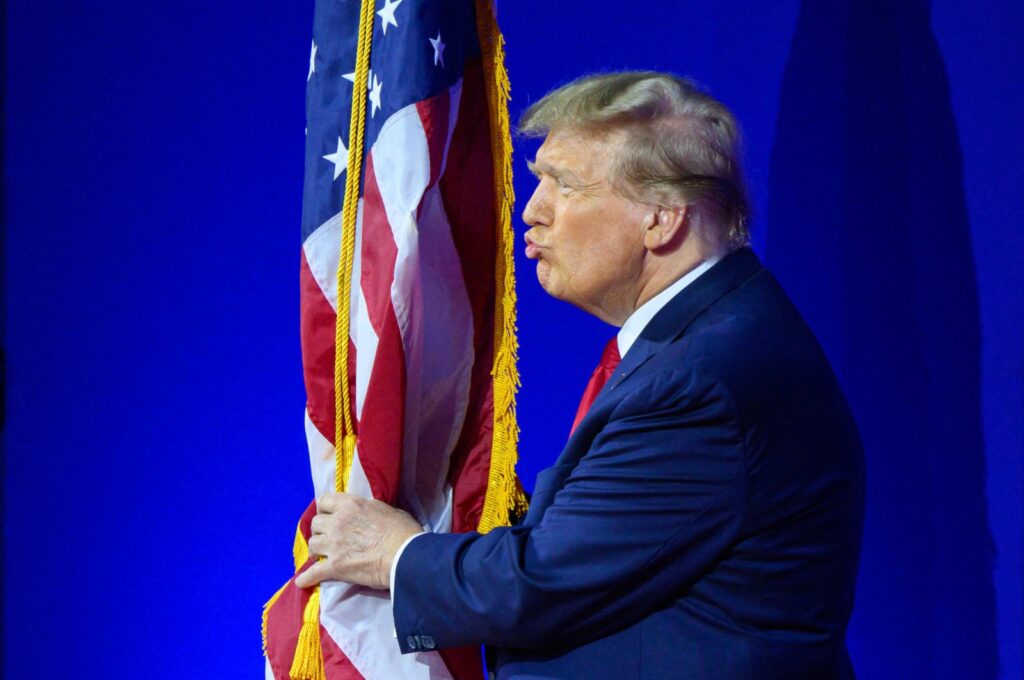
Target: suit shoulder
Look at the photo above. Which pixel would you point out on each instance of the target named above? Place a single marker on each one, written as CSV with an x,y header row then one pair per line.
x,y
753,343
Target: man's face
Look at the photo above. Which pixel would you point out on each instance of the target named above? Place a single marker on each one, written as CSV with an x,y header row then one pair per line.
x,y
586,238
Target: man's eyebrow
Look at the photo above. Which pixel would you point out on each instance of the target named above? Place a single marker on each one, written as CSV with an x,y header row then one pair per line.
x,y
550,170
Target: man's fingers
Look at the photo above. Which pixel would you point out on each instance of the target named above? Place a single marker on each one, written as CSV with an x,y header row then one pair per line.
x,y
334,502
316,546
327,503
312,576
318,524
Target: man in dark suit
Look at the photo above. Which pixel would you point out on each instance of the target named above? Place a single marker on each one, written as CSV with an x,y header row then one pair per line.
x,y
704,519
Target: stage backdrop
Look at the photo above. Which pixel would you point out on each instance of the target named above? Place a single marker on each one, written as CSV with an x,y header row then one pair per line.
x,y
153,444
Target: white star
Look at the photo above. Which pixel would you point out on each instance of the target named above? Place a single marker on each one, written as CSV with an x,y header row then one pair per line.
x,y
438,49
312,61
339,158
387,14
351,77
375,95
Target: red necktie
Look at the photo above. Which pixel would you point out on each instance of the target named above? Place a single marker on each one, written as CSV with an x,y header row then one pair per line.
x,y
609,361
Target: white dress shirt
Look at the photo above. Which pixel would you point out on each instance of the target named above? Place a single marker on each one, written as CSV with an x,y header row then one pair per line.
x,y
638,320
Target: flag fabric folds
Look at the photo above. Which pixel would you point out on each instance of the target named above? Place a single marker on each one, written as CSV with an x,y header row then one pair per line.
x,y
406,257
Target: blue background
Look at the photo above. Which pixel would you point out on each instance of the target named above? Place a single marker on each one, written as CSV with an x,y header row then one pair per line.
x,y
153,447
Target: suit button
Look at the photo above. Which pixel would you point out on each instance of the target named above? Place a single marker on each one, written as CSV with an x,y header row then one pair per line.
x,y
412,643
427,642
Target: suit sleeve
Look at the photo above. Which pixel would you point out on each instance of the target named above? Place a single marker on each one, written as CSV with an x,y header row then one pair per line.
x,y
651,506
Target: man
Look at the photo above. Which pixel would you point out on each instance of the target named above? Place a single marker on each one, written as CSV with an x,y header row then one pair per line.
x,y
704,519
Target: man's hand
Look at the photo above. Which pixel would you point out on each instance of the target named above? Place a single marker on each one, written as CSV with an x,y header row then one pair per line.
x,y
357,538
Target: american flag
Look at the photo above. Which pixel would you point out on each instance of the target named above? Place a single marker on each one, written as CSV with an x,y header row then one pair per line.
x,y
431,342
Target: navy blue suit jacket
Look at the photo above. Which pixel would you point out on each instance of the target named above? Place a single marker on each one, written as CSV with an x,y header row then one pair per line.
x,y
703,521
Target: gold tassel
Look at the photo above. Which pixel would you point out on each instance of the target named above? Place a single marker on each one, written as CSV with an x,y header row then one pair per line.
x,y
504,493
308,663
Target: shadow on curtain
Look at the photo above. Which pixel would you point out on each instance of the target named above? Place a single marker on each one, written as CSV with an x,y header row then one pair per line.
x,y
869,233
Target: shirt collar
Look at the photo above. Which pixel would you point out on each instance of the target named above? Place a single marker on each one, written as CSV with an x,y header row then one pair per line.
x,y
639,319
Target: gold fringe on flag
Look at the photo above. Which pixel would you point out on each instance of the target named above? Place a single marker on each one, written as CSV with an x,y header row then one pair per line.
x,y
504,496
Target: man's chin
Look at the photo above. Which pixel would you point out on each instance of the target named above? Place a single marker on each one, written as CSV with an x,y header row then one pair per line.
x,y
551,287
544,278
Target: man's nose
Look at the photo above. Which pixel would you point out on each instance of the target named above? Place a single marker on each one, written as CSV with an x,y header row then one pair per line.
x,y
533,213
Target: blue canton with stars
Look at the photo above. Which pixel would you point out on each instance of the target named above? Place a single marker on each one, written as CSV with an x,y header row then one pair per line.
x,y
419,49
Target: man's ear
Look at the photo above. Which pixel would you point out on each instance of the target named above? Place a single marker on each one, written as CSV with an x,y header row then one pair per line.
x,y
665,227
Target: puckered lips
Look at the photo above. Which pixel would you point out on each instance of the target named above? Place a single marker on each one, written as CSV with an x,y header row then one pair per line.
x,y
532,248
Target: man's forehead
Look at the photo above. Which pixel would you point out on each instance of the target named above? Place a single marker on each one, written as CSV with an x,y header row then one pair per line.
x,y
580,152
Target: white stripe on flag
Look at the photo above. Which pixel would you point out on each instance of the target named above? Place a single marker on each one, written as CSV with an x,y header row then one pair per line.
x,y
321,463
359,620
437,335
322,248
321,459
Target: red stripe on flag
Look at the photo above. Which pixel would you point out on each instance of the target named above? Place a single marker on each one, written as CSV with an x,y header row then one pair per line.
x,y
336,665
284,622
434,116
469,173
382,427
378,254
317,332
